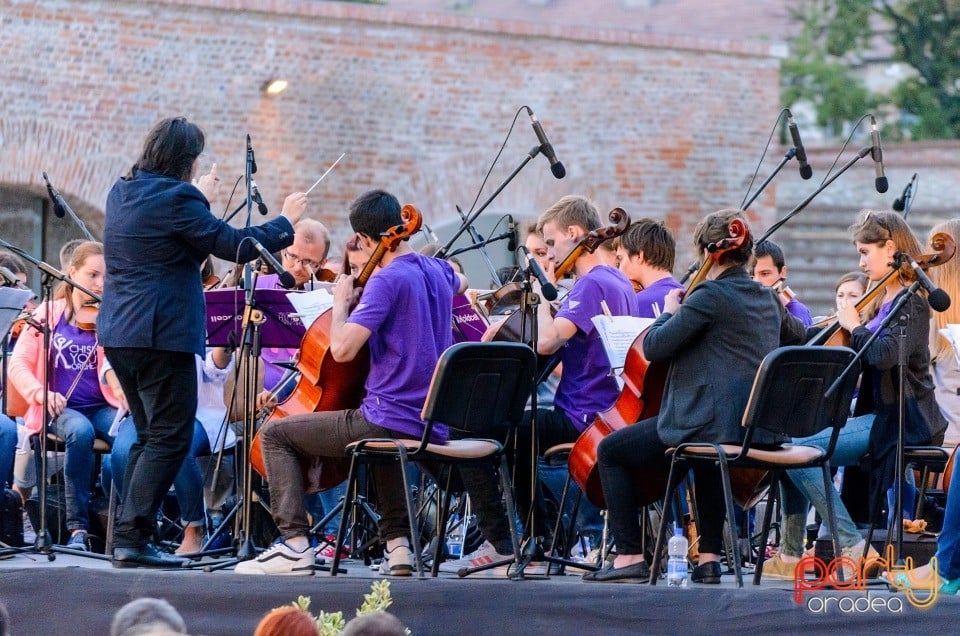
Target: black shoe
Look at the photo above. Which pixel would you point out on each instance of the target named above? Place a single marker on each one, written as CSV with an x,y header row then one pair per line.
x,y
636,573
145,557
706,573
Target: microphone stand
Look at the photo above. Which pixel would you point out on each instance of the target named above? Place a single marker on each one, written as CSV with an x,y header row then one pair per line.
x,y
787,157
901,408
468,222
479,243
72,215
48,275
863,152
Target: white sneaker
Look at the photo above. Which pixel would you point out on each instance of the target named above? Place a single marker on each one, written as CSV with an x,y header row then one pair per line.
x,y
280,560
483,555
29,534
398,559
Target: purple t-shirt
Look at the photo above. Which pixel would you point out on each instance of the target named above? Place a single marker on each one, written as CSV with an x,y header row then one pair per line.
x,y
654,295
75,351
798,310
586,386
874,323
407,306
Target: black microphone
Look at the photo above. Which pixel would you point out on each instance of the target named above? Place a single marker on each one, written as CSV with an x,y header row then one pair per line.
x,y
255,195
10,279
253,159
876,152
547,288
805,170
512,228
430,234
938,299
59,205
286,278
901,203
546,148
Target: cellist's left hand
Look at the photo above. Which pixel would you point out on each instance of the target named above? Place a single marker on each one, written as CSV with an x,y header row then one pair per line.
x,y
671,302
344,293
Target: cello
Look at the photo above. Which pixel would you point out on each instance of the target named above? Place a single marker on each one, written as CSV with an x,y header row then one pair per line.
x,y
325,384
643,385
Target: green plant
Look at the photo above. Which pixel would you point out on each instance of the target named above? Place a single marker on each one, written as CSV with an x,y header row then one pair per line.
x,y
332,624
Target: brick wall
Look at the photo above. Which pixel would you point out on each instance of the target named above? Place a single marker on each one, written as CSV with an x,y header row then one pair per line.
x,y
420,104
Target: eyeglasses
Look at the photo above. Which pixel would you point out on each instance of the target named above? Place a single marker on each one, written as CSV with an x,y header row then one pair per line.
x,y
307,263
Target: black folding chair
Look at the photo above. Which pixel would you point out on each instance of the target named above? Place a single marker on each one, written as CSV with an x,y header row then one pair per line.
x,y
478,388
788,398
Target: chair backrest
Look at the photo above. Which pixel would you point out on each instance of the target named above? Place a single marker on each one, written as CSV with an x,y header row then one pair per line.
x,y
788,391
480,387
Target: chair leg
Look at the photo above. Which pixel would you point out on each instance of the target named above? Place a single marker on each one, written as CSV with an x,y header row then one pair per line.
x,y
832,514
507,487
922,492
731,519
443,514
772,497
558,523
411,516
664,520
111,517
349,495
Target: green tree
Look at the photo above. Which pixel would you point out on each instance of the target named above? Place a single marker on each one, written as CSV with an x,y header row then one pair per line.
x,y
833,38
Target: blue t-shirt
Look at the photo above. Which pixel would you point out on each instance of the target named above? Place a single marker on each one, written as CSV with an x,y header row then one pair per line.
x,y
586,386
654,295
407,306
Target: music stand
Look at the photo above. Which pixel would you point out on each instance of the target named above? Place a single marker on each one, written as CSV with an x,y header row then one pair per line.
x,y
251,318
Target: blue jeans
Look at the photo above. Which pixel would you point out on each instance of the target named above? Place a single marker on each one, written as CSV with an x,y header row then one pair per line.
x,y
319,504
79,428
188,483
806,484
8,447
948,545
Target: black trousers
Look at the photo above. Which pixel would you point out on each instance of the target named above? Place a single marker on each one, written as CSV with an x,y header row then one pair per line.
x,y
637,447
161,389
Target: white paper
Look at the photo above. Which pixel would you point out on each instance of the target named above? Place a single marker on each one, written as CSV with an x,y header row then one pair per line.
x,y
309,305
117,420
952,333
617,334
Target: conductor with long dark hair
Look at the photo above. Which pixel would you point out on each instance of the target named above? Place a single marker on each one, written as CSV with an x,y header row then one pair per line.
x,y
157,232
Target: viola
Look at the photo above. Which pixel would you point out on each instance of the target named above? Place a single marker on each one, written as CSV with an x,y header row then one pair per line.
x,y
509,330
325,384
640,399
831,335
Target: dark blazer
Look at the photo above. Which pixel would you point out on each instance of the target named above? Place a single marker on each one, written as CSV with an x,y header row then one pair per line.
x,y
157,232
880,386
714,344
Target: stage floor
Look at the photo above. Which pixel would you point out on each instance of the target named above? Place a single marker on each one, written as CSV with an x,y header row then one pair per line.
x,y
77,596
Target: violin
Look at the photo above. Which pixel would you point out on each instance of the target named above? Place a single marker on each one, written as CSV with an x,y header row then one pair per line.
x,y
643,385
784,294
831,335
509,330
85,316
325,384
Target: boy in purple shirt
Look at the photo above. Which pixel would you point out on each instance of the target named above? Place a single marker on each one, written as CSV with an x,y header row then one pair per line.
x,y
404,317
770,270
586,385
646,254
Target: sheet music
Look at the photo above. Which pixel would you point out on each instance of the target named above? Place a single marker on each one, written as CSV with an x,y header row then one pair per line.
x,y
311,304
617,333
952,333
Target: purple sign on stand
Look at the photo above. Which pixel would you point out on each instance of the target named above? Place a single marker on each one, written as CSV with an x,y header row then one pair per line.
x,y
281,326
468,324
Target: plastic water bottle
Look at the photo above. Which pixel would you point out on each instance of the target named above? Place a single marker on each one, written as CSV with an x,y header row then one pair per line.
x,y
455,537
677,563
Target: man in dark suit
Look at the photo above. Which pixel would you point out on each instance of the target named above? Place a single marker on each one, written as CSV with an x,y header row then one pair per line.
x,y
714,342
157,232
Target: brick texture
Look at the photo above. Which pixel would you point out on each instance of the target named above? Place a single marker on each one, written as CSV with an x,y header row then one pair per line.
x,y
661,125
